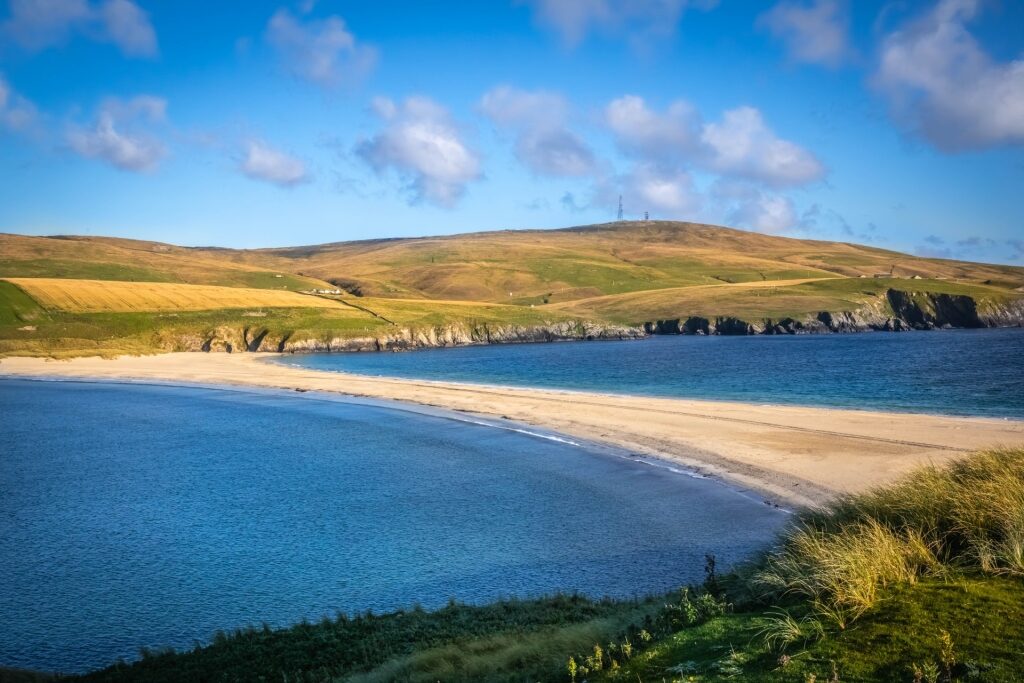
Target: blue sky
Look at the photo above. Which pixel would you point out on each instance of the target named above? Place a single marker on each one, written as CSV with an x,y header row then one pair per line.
x,y
899,124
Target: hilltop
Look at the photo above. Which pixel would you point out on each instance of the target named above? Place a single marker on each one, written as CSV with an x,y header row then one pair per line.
x,y
609,280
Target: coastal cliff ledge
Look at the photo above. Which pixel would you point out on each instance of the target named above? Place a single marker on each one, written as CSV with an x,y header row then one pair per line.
x,y
231,339
896,311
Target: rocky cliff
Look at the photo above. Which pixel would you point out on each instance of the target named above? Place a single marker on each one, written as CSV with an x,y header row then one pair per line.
x,y
231,339
896,311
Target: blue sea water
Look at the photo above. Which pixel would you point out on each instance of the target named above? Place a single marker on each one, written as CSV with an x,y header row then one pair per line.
x,y
138,515
957,372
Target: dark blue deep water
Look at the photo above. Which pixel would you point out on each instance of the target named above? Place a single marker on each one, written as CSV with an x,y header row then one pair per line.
x,y
958,372
135,515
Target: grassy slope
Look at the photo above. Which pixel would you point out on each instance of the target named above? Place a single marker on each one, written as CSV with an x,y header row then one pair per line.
x,y
598,260
622,273
755,300
966,584
982,616
105,258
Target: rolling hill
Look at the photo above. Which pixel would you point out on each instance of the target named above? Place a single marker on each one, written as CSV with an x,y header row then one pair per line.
x,y
69,295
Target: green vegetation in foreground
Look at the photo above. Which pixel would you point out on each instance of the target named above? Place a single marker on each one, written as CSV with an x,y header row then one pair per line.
x,y
458,642
921,581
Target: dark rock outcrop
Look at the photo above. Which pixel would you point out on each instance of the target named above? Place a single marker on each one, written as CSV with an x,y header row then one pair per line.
x,y
897,311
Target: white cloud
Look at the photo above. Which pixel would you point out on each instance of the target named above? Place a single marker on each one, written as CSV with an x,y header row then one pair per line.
x,y
322,51
944,86
746,205
510,106
667,192
119,136
638,19
128,27
425,147
555,152
741,144
543,141
16,112
263,162
815,34
39,24
769,213
641,131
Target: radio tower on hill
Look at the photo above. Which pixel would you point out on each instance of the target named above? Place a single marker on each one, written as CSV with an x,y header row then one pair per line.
x,y
620,209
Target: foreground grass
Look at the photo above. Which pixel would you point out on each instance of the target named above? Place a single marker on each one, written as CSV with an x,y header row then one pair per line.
x,y
502,641
921,581
905,632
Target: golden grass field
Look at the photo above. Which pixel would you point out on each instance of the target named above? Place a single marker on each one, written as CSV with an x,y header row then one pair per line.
x,y
110,296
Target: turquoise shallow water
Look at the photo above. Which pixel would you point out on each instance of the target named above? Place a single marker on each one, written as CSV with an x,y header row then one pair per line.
x,y
958,372
135,515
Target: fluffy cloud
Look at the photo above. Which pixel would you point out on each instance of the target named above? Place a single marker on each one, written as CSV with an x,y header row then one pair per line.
x,y
39,24
740,145
746,205
543,142
574,19
263,162
769,213
322,51
815,34
422,143
640,131
668,192
16,112
119,136
944,86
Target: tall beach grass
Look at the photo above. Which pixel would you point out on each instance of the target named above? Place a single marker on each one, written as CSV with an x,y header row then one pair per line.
x,y
967,516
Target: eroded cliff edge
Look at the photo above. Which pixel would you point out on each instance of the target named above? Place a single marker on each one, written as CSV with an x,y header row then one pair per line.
x,y
233,339
896,311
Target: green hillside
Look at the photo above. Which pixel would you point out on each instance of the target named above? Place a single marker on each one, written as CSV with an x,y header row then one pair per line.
x,y
615,274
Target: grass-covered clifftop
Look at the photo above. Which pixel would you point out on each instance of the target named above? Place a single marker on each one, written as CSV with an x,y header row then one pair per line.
x,y
919,581
76,295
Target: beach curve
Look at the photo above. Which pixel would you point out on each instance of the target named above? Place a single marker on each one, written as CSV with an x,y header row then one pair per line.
x,y
790,455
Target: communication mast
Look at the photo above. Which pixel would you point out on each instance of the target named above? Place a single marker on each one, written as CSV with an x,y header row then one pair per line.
x,y
620,208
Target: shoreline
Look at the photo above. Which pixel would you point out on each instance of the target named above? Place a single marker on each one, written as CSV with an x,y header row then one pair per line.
x,y
794,456
592,447
276,358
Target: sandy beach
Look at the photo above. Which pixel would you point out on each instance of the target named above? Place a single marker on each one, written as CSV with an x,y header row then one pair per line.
x,y
793,456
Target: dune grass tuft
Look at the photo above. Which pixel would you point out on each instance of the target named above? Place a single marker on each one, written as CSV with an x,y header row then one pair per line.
x,y
967,516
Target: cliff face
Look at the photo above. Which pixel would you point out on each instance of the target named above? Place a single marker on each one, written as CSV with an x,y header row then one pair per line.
x,y
898,311
230,339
